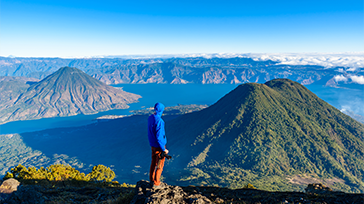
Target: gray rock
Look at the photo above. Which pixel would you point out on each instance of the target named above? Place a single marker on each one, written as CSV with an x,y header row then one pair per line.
x,y
10,185
145,194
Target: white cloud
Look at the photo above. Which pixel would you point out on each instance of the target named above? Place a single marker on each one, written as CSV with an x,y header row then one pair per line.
x,y
340,78
357,79
351,69
351,60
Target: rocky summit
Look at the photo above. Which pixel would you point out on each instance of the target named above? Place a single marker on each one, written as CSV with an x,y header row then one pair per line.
x,y
144,193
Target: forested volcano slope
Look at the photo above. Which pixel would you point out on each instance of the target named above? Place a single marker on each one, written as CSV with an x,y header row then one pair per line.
x,y
276,135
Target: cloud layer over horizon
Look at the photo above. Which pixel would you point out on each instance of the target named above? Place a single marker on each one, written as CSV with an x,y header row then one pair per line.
x,y
354,78
349,60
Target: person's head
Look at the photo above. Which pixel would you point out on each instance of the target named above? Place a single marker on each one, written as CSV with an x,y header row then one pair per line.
x,y
158,108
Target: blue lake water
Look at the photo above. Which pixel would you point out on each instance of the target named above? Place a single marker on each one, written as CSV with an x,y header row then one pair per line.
x,y
351,97
173,94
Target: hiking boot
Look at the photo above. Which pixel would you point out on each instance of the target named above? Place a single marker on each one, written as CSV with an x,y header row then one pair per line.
x,y
162,185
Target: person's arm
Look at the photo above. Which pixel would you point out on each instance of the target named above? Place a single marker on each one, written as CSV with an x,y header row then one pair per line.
x,y
160,135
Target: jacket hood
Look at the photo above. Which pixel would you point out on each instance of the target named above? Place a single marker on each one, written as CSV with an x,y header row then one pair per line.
x,y
159,108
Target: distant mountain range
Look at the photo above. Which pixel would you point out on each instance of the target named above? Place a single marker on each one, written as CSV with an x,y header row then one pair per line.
x,y
179,70
276,136
68,91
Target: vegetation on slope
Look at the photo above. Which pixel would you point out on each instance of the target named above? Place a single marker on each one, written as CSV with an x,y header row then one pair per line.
x,y
267,134
11,88
14,150
64,184
60,172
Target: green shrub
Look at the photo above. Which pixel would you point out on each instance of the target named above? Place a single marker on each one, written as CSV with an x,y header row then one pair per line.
x,y
102,173
61,172
249,186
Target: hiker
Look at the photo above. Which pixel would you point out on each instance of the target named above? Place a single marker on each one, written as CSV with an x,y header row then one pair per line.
x,y
157,141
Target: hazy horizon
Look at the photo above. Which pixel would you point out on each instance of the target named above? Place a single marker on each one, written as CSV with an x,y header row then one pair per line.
x,y
351,60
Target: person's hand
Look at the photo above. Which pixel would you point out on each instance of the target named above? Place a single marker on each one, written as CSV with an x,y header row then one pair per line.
x,y
166,151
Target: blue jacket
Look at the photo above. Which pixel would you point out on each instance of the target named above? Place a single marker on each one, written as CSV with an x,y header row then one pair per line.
x,y
156,134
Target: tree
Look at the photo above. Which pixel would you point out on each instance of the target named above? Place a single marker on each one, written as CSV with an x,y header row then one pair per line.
x,y
102,173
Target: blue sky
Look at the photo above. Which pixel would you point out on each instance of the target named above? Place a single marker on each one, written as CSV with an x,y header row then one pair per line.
x,y
53,28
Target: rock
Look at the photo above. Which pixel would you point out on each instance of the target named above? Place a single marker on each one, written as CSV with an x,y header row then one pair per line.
x,y
219,200
10,185
317,188
145,194
197,199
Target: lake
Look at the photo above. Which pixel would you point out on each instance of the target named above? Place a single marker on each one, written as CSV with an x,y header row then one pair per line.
x,y
173,94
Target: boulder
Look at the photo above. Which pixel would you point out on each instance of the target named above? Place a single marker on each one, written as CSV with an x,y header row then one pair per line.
x,y
317,188
146,194
10,185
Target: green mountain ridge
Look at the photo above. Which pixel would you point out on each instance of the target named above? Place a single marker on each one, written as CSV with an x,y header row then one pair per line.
x,y
69,91
266,134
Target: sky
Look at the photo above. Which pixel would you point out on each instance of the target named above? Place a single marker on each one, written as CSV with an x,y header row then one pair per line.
x,y
54,28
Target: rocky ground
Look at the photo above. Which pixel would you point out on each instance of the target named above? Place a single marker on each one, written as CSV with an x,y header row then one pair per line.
x,y
145,193
13,193
315,193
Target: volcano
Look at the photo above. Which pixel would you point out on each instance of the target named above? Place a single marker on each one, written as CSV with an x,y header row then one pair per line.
x,y
69,91
277,136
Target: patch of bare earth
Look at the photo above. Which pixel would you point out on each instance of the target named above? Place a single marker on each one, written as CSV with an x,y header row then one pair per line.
x,y
307,179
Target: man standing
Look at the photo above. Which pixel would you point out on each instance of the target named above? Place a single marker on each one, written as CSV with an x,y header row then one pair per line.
x,y
157,140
